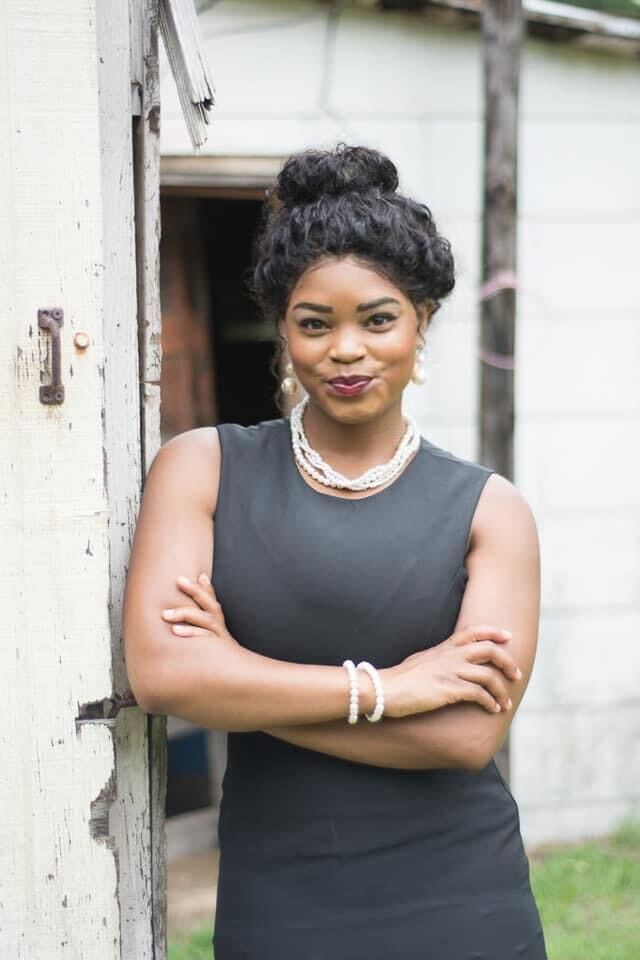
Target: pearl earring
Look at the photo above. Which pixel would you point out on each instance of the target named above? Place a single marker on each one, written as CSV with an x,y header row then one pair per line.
x,y
289,384
419,375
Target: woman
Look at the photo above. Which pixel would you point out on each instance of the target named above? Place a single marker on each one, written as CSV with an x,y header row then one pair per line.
x,y
372,624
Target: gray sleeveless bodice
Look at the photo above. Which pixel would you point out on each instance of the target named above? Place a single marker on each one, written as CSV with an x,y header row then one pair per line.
x,y
328,577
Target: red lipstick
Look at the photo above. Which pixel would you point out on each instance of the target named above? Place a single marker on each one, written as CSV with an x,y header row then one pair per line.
x,y
349,386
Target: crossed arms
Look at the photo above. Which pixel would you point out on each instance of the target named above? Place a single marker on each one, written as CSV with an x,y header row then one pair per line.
x,y
213,682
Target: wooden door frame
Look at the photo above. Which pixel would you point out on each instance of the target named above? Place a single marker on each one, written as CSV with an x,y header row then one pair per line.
x,y
218,176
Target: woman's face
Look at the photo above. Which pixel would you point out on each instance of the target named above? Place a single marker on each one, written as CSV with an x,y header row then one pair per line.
x,y
345,320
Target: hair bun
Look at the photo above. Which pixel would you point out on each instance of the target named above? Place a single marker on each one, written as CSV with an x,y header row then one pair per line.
x,y
310,174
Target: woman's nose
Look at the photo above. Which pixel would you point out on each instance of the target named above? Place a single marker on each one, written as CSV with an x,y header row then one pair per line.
x,y
346,345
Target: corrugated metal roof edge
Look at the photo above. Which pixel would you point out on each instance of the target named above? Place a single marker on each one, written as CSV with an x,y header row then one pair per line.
x,y
558,15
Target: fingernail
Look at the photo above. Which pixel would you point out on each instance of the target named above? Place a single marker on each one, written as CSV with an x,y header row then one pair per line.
x,y
184,580
498,708
168,612
507,633
518,673
204,578
509,704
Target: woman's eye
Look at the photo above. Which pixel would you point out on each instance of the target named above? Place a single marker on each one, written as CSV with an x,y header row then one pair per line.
x,y
308,321
384,317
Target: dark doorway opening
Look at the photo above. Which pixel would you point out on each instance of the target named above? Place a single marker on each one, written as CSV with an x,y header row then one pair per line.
x,y
216,367
217,349
242,344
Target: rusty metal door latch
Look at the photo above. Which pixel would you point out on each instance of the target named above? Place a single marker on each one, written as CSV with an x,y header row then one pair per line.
x,y
120,700
51,319
105,710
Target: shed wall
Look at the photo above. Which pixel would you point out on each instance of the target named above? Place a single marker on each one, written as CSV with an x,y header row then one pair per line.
x,y
292,75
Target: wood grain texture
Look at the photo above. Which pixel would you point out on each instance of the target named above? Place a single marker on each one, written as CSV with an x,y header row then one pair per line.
x,y
130,821
503,30
146,146
58,872
75,852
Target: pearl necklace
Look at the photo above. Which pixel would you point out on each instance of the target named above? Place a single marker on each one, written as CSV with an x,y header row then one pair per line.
x,y
313,464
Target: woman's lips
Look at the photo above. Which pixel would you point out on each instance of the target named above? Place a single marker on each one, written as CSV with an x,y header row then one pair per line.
x,y
345,388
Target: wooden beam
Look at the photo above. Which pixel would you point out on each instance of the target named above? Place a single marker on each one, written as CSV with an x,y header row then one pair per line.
x,y
74,791
225,172
502,33
122,458
146,160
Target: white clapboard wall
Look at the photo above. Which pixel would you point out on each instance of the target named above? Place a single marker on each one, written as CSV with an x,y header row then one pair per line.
x,y
81,805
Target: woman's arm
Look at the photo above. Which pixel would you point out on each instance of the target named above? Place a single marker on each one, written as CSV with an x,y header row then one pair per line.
x,y
212,684
204,675
503,587
424,741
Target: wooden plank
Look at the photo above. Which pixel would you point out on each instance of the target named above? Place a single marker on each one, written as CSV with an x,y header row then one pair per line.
x,y
146,144
129,815
75,784
58,869
147,205
502,28
178,24
207,171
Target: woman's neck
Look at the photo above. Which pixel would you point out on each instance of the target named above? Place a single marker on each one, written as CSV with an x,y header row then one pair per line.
x,y
355,446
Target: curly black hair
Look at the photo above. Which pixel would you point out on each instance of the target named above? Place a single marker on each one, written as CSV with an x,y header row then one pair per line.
x,y
338,202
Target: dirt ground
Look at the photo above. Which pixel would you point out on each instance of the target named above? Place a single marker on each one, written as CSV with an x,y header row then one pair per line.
x,y
191,892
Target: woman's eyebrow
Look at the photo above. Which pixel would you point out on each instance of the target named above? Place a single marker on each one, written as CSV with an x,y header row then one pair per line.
x,y
320,307
323,308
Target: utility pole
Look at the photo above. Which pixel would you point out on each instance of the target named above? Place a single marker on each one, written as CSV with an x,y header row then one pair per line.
x,y
502,34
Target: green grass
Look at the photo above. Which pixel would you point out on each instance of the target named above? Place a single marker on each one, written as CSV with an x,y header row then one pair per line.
x,y
588,895
197,946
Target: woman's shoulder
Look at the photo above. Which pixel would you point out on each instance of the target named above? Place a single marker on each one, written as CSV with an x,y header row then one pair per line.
x,y
253,431
495,492
208,441
190,462
496,503
447,461
252,440
197,455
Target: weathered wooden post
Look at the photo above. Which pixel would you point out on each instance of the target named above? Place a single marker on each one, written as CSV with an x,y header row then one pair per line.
x,y
502,30
81,803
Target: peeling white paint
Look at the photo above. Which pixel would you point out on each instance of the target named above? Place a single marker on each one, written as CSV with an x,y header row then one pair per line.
x,y
75,838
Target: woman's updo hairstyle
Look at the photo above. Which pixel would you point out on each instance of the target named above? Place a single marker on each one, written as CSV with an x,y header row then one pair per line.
x,y
346,201
305,177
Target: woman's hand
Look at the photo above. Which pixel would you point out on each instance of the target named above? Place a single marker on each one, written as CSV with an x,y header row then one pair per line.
x,y
206,618
471,664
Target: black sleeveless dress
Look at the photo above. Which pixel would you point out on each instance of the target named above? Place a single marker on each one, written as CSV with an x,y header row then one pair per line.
x,y
323,858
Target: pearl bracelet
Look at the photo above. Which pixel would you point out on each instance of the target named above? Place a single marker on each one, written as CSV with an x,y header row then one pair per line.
x,y
378,710
354,692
